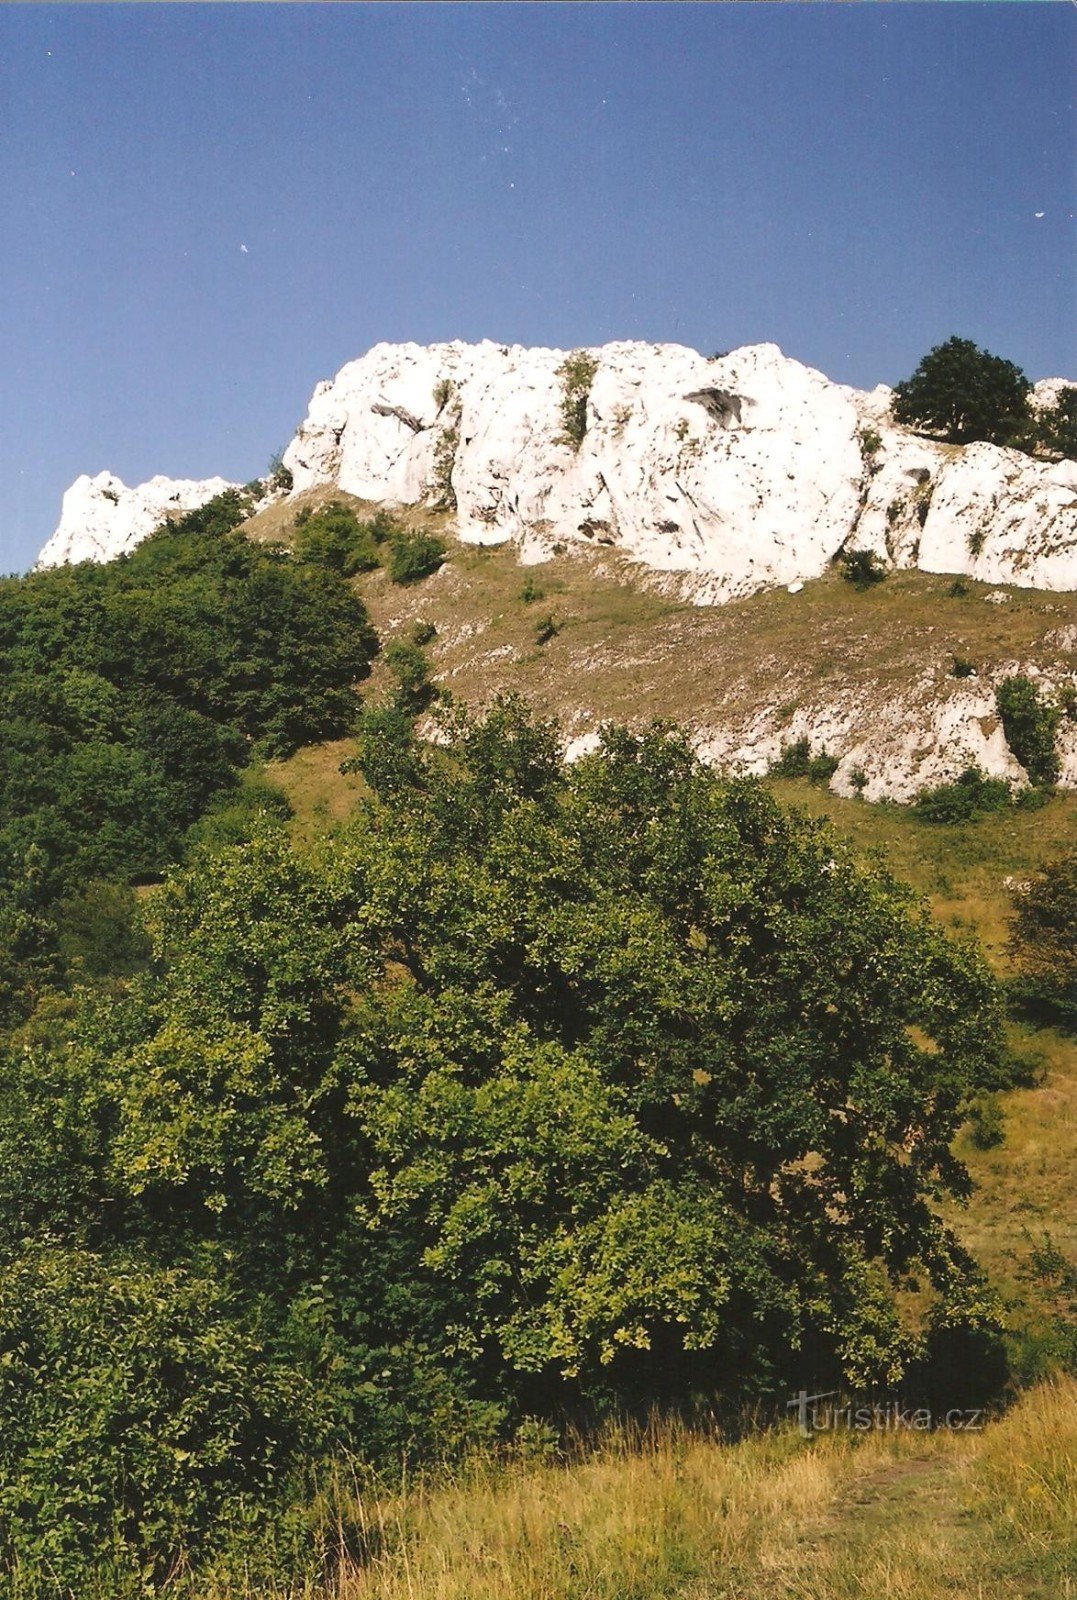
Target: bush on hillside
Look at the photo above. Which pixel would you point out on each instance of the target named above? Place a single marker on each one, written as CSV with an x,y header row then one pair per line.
x,y
1030,724
861,568
971,794
334,537
414,556
1043,944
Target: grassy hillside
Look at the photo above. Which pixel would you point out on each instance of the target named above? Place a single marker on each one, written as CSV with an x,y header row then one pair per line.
x,y
626,651
671,1514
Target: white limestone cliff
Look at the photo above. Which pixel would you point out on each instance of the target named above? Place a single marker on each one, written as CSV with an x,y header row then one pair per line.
x,y
741,472
103,518
736,473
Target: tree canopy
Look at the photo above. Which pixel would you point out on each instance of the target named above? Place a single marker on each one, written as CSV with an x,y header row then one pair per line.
x,y
536,1088
964,394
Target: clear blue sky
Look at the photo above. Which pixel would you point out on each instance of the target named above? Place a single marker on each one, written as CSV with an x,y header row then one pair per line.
x,y
208,208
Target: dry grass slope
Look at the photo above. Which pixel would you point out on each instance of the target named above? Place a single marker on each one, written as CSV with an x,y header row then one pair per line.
x,y
907,1515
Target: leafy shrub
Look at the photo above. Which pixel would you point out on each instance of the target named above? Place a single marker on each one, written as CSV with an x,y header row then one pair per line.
x,y
862,568
1043,944
970,795
961,668
546,628
423,632
794,760
577,373
987,1122
1030,724
958,590
335,538
136,1403
822,767
414,556
531,591
411,670
797,761
964,393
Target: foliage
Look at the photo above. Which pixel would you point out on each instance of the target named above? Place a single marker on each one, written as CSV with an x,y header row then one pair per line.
x,y
335,538
1054,428
546,628
530,592
971,794
131,694
414,556
423,632
987,1122
411,670
577,373
545,1086
1030,724
1043,943
960,667
964,394
862,568
136,1400
796,761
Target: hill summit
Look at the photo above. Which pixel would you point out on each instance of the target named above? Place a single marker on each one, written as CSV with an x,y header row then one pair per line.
x,y
739,472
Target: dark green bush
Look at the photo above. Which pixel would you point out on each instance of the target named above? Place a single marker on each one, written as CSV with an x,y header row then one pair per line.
x,y
414,556
987,1122
1043,944
334,537
970,795
1030,724
862,568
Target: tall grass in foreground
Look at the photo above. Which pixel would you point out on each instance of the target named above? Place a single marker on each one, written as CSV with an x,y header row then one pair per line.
x,y
669,1513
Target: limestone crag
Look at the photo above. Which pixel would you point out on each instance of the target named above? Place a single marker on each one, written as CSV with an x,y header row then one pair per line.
x,y
103,518
735,473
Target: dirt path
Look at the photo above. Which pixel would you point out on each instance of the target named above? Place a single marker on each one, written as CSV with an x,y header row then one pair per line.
x,y
898,1530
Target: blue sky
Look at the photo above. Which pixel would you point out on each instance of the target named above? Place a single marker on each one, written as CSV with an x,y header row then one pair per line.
x,y
208,208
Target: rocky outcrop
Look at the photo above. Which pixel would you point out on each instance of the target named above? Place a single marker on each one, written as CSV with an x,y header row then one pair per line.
x,y
103,518
736,473
740,472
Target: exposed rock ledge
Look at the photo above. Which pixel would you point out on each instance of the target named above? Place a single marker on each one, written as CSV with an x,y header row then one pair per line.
x,y
738,473
102,518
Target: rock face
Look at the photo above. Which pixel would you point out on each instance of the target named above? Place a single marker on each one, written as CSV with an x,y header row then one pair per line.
x,y
103,518
737,473
741,472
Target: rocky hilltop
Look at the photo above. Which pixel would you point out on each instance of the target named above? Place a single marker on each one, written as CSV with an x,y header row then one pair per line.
x,y
102,518
741,472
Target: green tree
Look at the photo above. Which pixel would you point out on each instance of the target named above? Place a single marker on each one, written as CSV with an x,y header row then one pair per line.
x,y
1030,724
964,394
1043,943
